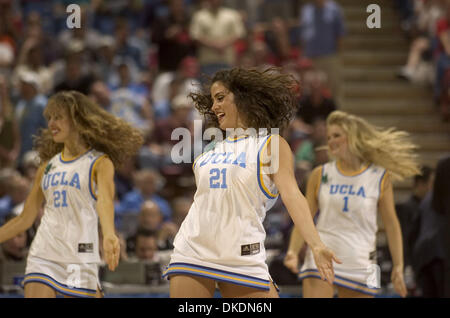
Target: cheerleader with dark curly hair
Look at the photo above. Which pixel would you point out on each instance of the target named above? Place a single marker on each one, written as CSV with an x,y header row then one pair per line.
x,y
78,152
221,241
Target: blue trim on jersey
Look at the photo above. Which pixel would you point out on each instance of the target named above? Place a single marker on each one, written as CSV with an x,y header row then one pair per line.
x,y
70,161
90,177
265,191
238,138
381,182
61,288
356,175
343,282
316,216
198,157
217,275
320,185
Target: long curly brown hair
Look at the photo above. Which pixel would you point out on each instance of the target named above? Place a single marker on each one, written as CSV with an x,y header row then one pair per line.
x,y
266,99
97,128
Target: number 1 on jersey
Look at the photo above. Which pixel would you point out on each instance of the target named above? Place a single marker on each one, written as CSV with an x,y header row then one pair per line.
x,y
214,180
345,209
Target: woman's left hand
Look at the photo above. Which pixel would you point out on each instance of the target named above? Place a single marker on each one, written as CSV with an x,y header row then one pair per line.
x,y
398,281
324,258
111,250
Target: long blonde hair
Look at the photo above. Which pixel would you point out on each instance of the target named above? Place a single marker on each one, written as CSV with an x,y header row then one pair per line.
x,y
389,148
98,129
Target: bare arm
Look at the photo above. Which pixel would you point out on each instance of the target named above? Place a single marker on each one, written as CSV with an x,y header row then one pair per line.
x,y
30,211
394,234
298,208
296,241
104,173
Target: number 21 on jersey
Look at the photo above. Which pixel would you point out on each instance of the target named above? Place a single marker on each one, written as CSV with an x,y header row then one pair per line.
x,y
218,178
60,199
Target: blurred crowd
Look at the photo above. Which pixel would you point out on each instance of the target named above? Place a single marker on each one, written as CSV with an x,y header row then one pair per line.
x,y
426,23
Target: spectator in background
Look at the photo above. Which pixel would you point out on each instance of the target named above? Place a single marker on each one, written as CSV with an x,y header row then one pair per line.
x,y
215,30
124,46
170,84
14,249
157,154
278,38
285,9
34,28
101,94
76,73
123,178
146,248
442,52
171,34
29,111
316,103
257,55
9,129
6,176
406,8
428,13
130,102
128,80
30,165
322,27
6,57
429,250
36,53
31,60
408,213
146,184
103,16
150,219
182,111
9,36
16,193
88,36
105,68
440,202
305,155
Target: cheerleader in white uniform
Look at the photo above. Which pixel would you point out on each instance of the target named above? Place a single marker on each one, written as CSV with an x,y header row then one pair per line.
x,y
348,192
221,240
75,181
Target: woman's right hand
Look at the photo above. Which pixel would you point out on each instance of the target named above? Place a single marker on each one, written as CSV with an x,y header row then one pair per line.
x,y
324,258
291,262
111,250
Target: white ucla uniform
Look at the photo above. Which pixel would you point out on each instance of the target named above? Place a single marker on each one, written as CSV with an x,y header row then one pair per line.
x,y
222,236
65,251
347,224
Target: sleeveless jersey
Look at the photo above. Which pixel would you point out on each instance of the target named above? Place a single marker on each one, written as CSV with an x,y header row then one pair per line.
x,y
347,220
68,231
224,227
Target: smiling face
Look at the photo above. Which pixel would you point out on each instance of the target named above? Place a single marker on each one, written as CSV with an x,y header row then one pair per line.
x,y
337,141
60,125
224,107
